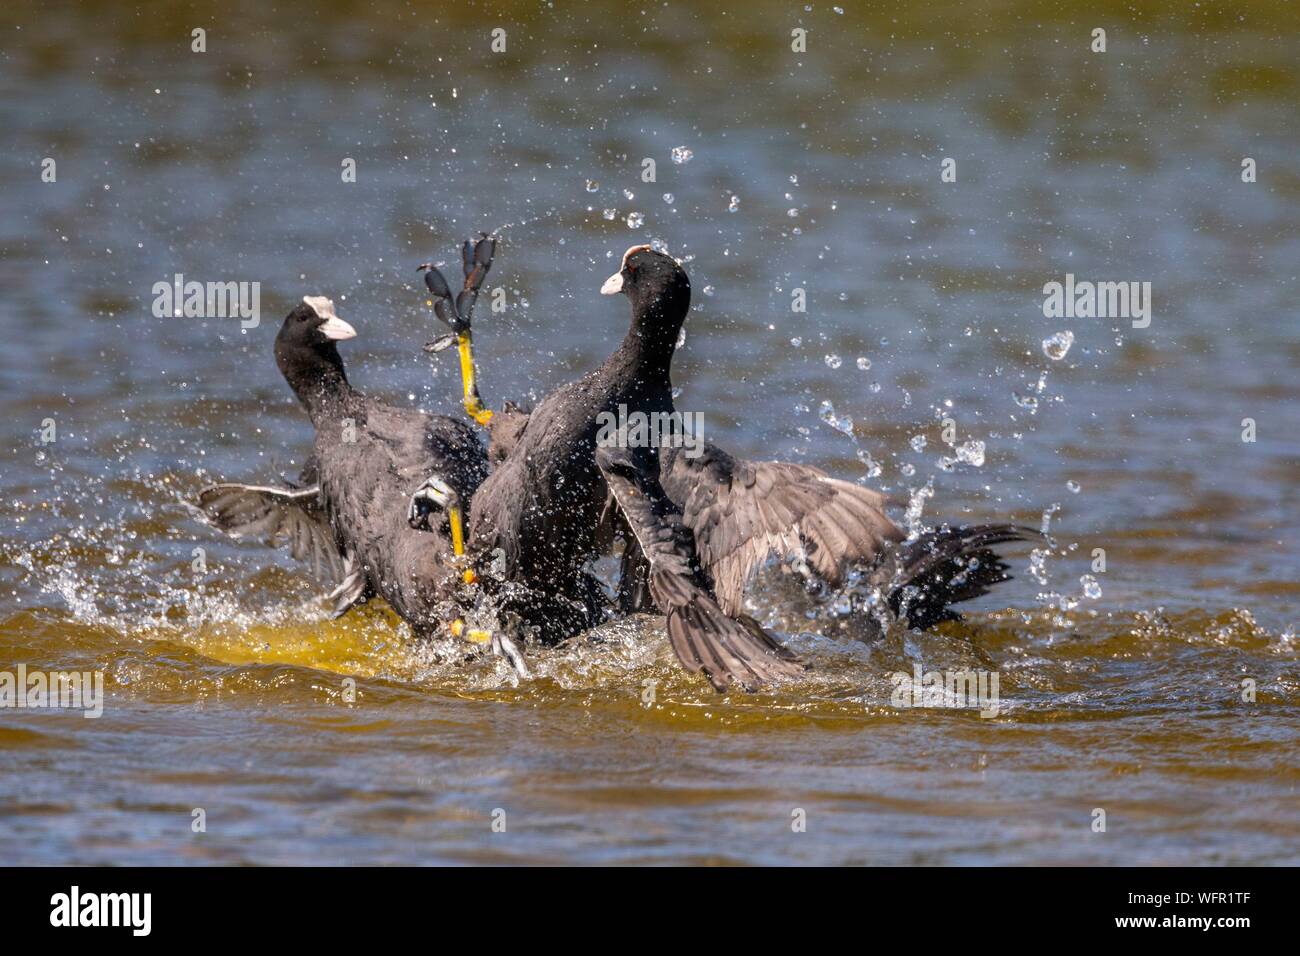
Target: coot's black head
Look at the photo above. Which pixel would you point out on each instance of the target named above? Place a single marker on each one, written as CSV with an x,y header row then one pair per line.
x,y
306,350
658,288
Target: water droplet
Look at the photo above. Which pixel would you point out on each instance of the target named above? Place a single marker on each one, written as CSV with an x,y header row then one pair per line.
x,y
917,442
872,466
915,505
792,213
629,195
635,220
1038,564
668,198
827,414
734,204
592,185
864,363
796,341
1026,401
1056,346
834,361
1073,486
971,453
708,290
1050,510
609,213
682,155
1091,589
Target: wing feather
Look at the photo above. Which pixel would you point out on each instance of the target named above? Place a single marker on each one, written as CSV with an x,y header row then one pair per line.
x,y
742,513
292,516
705,639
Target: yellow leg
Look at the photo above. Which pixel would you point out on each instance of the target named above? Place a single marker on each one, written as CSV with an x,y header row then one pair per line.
x,y
457,531
473,404
457,626
472,634
455,522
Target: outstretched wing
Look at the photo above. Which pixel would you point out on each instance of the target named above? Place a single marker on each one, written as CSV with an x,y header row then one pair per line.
x,y
291,516
728,650
743,512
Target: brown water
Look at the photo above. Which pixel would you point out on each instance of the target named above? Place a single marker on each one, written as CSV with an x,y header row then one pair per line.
x,y
228,690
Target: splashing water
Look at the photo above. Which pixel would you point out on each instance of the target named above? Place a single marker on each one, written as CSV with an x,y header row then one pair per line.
x,y
971,453
1048,512
839,423
1057,346
915,506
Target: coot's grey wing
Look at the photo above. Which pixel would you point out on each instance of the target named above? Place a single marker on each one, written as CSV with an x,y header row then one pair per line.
x,y
633,577
367,478
743,512
704,638
416,445
279,515
352,590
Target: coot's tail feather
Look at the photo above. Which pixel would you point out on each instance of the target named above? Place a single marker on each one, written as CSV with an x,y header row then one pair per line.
x,y
935,570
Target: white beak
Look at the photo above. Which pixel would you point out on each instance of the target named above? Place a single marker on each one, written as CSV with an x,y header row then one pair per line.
x,y
613,285
336,329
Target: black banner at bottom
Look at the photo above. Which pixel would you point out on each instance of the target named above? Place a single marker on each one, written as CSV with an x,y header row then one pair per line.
x,y
333,906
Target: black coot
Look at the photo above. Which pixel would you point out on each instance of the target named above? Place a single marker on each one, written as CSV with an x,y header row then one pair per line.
x,y
543,508
353,519
542,514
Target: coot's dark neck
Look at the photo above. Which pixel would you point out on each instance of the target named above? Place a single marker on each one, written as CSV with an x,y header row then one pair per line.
x,y
319,382
647,350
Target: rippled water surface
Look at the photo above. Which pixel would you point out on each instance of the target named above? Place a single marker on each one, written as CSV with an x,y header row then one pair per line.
x,y
228,690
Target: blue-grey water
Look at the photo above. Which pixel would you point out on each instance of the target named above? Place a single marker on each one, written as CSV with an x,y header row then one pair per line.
x,y
227,690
